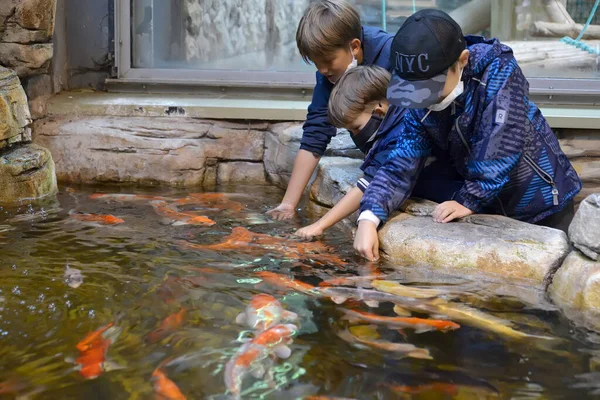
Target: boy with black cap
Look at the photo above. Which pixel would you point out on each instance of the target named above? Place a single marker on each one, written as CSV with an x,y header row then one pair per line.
x,y
468,102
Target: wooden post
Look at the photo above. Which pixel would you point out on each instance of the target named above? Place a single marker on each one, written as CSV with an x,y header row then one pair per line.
x,y
503,19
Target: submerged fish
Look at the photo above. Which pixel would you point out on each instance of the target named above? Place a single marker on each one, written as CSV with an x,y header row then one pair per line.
x,y
179,218
73,277
370,297
167,326
263,312
407,291
418,324
97,218
211,200
124,197
92,351
284,282
165,388
406,349
248,360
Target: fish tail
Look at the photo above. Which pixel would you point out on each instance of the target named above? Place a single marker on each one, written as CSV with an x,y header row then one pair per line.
x,y
234,375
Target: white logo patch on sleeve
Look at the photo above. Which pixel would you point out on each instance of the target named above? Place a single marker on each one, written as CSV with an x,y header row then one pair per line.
x,y
500,116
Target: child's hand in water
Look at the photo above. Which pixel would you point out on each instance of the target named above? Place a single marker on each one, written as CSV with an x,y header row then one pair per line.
x,y
310,231
366,241
282,212
449,211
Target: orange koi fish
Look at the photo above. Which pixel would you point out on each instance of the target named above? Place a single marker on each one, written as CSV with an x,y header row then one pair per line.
x,y
124,197
405,349
211,200
418,324
165,388
285,282
179,218
263,312
273,341
97,218
93,349
167,326
243,240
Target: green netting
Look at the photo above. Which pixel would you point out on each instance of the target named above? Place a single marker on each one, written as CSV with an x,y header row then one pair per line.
x,y
580,11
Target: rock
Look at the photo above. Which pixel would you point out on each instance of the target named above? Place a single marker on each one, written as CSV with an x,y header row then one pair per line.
x,y
26,60
37,86
26,172
575,289
577,143
174,151
282,143
14,111
584,231
336,176
588,169
495,246
246,172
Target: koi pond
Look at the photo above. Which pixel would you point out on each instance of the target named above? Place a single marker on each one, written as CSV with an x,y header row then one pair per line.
x,y
116,293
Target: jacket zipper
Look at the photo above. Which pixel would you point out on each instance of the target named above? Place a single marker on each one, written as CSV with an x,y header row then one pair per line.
x,y
462,137
545,177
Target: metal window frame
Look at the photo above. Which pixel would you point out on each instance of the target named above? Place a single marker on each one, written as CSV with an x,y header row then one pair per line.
x,y
544,90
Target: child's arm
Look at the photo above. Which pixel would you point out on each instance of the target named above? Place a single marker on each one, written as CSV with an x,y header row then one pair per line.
x,y
317,133
346,206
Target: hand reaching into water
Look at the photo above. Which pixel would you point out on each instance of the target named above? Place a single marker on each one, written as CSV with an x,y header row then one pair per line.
x,y
282,212
310,231
366,241
449,211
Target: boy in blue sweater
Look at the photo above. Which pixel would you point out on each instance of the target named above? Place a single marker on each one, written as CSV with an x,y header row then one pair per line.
x,y
331,36
468,101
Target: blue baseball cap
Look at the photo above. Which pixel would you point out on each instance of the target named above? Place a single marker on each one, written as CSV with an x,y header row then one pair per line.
x,y
428,43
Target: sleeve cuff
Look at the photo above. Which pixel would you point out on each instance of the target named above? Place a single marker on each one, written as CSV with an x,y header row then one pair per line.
x,y
467,200
362,184
369,216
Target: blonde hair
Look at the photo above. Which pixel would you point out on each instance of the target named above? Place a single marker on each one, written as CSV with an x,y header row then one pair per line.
x,y
326,26
355,91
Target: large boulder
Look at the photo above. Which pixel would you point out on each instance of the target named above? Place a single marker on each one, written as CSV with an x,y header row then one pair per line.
x,y
14,111
26,172
494,246
27,21
336,176
282,143
584,231
174,151
575,289
26,60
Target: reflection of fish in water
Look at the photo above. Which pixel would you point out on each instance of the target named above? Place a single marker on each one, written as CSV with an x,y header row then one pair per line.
x,y
418,324
211,200
97,218
124,197
167,326
248,359
372,298
92,351
245,241
263,312
405,349
285,282
179,218
73,277
165,388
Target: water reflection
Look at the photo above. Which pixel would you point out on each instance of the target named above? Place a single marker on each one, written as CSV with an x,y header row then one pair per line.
x,y
152,302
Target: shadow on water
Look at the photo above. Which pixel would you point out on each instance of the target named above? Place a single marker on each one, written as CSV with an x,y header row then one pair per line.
x,y
175,306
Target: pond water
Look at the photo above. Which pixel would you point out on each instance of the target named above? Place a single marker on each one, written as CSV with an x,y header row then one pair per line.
x,y
163,296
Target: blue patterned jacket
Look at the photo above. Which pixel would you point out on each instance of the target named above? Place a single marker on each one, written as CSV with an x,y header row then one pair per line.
x,y
496,138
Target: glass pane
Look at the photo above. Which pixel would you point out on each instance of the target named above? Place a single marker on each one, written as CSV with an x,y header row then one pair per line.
x,y
259,35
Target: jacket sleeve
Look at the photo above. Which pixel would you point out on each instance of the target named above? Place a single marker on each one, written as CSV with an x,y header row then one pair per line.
x,y
395,180
498,142
374,163
317,130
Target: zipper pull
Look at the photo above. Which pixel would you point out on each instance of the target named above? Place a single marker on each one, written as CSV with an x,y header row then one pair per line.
x,y
555,195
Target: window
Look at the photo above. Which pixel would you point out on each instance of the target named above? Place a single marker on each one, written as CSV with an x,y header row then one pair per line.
x,y
252,42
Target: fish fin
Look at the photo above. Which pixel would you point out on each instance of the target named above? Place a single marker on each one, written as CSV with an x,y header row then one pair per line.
x,y
179,223
338,299
241,318
423,328
403,333
401,311
108,366
283,351
289,316
372,303
258,371
421,354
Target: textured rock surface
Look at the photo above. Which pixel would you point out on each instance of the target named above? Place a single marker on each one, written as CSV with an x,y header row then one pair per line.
x,y
26,172
584,231
336,176
241,172
14,112
575,289
26,60
282,143
481,244
172,151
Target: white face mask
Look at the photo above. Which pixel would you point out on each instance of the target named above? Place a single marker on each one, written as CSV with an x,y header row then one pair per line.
x,y
354,62
458,90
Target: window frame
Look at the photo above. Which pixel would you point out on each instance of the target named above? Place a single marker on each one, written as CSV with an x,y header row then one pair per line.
x,y
547,90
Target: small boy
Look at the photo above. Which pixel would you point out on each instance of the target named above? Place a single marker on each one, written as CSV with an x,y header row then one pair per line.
x,y
468,100
358,103
331,36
